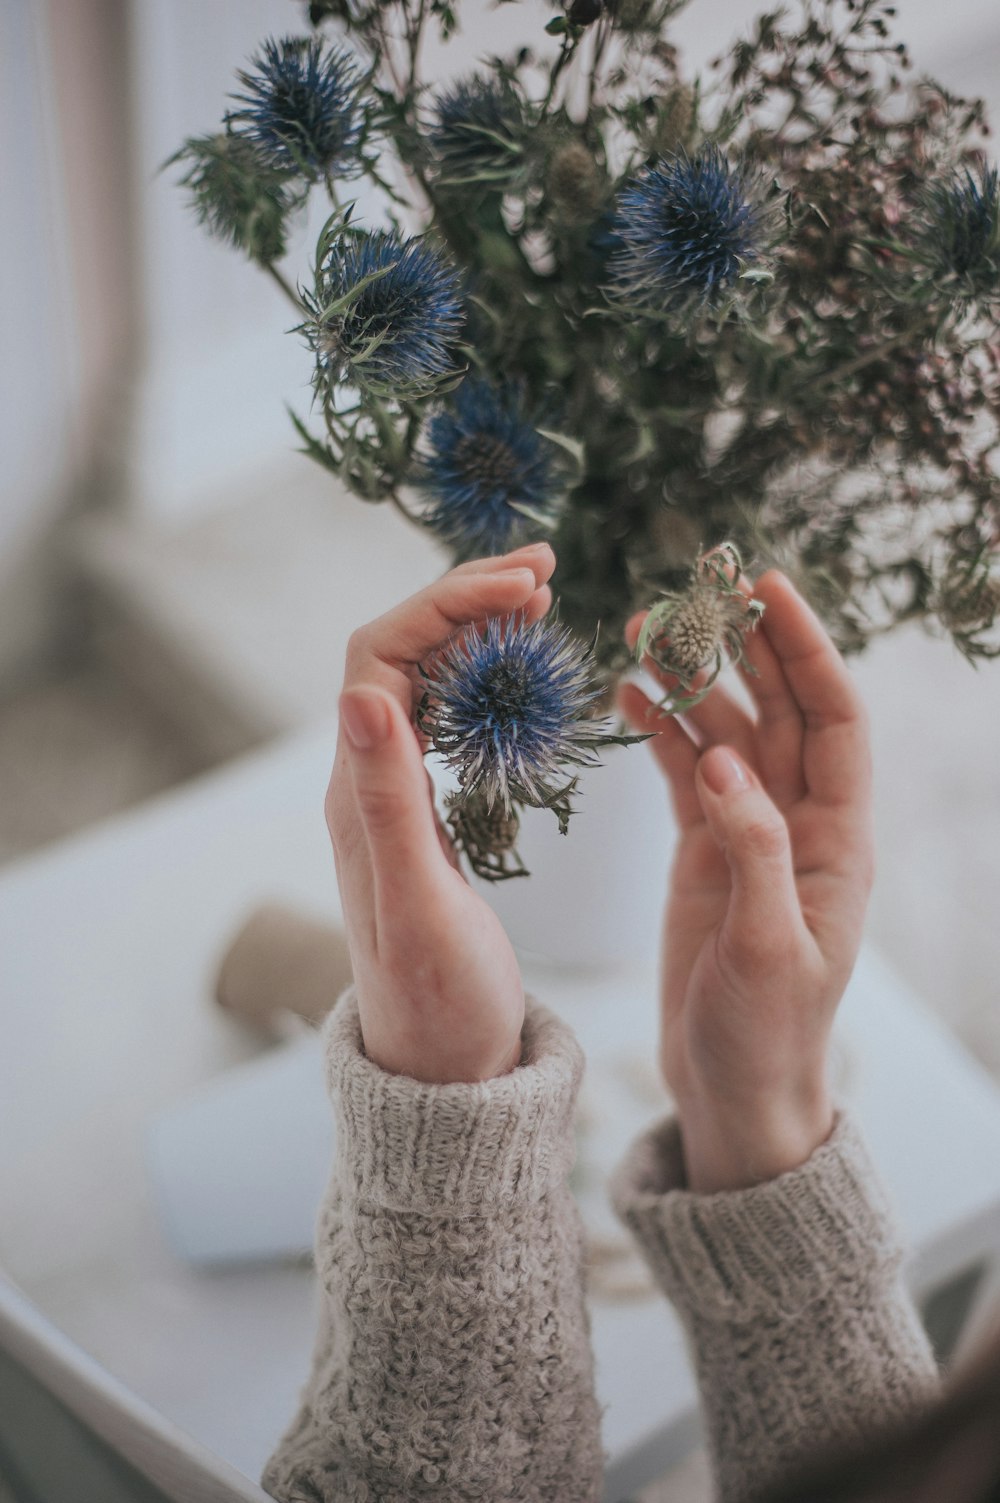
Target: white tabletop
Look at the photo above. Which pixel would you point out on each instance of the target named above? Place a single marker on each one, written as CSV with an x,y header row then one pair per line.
x,y
108,947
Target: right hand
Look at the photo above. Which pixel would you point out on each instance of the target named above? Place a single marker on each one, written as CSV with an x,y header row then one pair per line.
x,y
439,990
769,888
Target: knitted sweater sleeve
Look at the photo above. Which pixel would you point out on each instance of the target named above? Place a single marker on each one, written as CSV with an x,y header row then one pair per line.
x,y
801,1331
453,1359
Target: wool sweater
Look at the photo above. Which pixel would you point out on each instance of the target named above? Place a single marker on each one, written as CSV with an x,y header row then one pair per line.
x,y
453,1358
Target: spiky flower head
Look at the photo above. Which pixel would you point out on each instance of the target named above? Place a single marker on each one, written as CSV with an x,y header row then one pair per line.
x,y
477,132
509,709
700,627
960,233
488,475
385,316
688,228
302,108
236,195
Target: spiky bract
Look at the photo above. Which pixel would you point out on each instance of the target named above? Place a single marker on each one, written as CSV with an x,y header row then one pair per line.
x,y
960,239
386,315
477,131
484,462
700,627
508,708
687,229
236,195
302,108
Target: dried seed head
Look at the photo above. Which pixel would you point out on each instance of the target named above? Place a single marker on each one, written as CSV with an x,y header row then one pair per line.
x,y
478,828
694,631
574,179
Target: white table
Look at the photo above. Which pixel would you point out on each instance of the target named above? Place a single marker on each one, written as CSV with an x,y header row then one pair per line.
x,y
108,945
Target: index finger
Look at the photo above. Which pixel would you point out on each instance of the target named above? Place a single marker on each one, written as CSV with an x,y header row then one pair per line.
x,y
385,651
836,759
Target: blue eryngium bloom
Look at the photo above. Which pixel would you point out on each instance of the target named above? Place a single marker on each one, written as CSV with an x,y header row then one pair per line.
x,y
302,108
386,316
475,130
507,708
484,460
686,228
961,231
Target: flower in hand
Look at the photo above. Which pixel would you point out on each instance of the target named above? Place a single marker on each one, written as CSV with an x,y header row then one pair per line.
x,y
510,709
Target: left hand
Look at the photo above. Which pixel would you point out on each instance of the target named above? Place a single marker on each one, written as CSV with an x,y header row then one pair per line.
x,y
438,986
770,882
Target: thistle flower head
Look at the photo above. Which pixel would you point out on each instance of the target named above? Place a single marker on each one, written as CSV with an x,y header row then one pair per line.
x,y
508,709
960,233
476,131
302,107
687,228
236,195
385,315
701,626
488,475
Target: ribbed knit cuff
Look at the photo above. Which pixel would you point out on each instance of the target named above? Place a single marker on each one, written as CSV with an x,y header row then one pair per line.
x,y
771,1249
457,1149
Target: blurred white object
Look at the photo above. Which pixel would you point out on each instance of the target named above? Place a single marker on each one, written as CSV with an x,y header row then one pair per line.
x,y
108,948
598,893
239,1169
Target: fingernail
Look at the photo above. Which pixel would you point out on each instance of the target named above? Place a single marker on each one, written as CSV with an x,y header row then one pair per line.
x,y
531,548
527,577
365,718
723,771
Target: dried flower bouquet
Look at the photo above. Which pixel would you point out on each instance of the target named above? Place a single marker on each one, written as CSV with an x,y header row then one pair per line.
x,y
672,323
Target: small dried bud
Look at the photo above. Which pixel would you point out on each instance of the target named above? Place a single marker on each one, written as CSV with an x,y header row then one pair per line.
x,y
486,837
584,12
574,180
700,628
674,120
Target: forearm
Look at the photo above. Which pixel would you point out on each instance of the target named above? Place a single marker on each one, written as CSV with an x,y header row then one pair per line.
x,y
453,1360
801,1332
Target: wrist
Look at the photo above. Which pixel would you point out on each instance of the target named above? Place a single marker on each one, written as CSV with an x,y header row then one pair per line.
x,y
732,1145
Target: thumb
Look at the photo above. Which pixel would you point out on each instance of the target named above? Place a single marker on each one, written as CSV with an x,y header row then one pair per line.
x,y
390,788
751,832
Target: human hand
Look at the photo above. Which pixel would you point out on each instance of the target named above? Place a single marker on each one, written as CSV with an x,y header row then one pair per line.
x,y
439,990
770,883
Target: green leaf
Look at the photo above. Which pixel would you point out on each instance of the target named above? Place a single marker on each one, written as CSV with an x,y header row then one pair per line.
x,y
557,26
572,446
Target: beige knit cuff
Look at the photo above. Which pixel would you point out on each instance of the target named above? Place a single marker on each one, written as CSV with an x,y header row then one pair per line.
x,y
771,1249
453,1150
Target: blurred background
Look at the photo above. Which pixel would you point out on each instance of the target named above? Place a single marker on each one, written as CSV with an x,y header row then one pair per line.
x,y
174,579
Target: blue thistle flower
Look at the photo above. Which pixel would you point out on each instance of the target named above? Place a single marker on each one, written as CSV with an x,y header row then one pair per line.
x,y
302,108
386,315
508,708
961,231
475,135
485,461
686,227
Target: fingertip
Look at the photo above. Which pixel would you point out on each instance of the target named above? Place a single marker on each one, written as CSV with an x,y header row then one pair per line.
x,y
540,603
723,770
366,715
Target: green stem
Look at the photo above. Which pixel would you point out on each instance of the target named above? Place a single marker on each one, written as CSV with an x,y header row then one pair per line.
x,y
285,285
828,378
